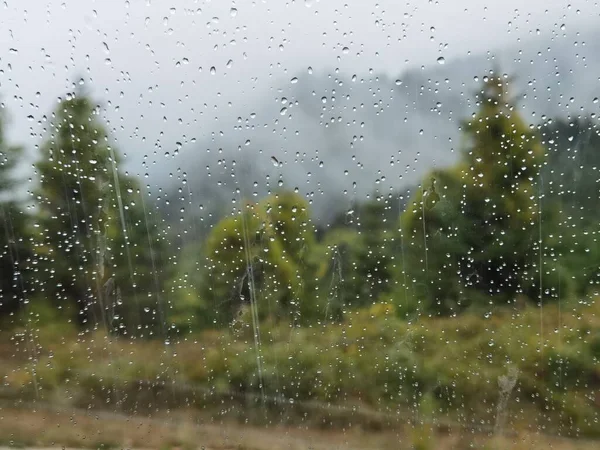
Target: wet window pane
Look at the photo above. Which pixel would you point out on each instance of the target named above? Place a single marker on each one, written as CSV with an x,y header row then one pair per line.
x,y
299,224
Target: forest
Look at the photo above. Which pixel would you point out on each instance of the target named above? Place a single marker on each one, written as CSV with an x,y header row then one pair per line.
x,y
478,286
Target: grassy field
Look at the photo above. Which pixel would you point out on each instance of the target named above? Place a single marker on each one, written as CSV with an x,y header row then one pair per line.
x,y
502,378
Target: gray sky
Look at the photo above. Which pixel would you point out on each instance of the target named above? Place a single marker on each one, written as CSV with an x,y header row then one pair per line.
x,y
150,61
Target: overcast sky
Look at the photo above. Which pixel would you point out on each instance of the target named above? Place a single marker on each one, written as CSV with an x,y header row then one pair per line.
x,y
150,61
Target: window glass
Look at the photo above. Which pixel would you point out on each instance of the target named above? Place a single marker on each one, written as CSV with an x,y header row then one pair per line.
x,y
269,224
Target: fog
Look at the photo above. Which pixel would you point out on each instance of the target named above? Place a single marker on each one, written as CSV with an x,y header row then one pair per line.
x,y
328,97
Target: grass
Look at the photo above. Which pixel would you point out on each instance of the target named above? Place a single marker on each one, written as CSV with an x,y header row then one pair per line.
x,y
372,372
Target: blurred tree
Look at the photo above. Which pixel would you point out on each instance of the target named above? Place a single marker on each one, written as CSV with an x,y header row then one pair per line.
x,y
474,229
570,174
357,255
371,255
14,235
97,244
571,181
260,257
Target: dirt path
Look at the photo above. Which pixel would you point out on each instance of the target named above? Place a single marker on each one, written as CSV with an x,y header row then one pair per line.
x,y
44,428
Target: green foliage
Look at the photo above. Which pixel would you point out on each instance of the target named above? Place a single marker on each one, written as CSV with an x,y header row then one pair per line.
x,y
434,370
260,257
15,251
475,229
570,174
356,262
96,244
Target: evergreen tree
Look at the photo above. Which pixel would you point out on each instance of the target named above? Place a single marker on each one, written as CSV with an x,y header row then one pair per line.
x,y
571,173
365,258
475,229
571,181
95,245
14,245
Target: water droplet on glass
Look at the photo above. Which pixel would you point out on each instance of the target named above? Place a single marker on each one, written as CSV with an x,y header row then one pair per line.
x,y
213,70
441,60
233,12
275,161
294,80
283,111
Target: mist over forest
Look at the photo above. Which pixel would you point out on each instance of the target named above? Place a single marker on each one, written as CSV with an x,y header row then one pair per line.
x,y
339,137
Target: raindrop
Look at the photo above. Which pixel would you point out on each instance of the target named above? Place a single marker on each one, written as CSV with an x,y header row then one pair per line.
x,y
345,50
441,60
275,161
283,111
233,12
213,70
294,80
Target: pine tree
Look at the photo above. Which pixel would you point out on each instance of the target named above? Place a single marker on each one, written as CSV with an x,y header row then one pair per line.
x,y
95,241
14,241
475,228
